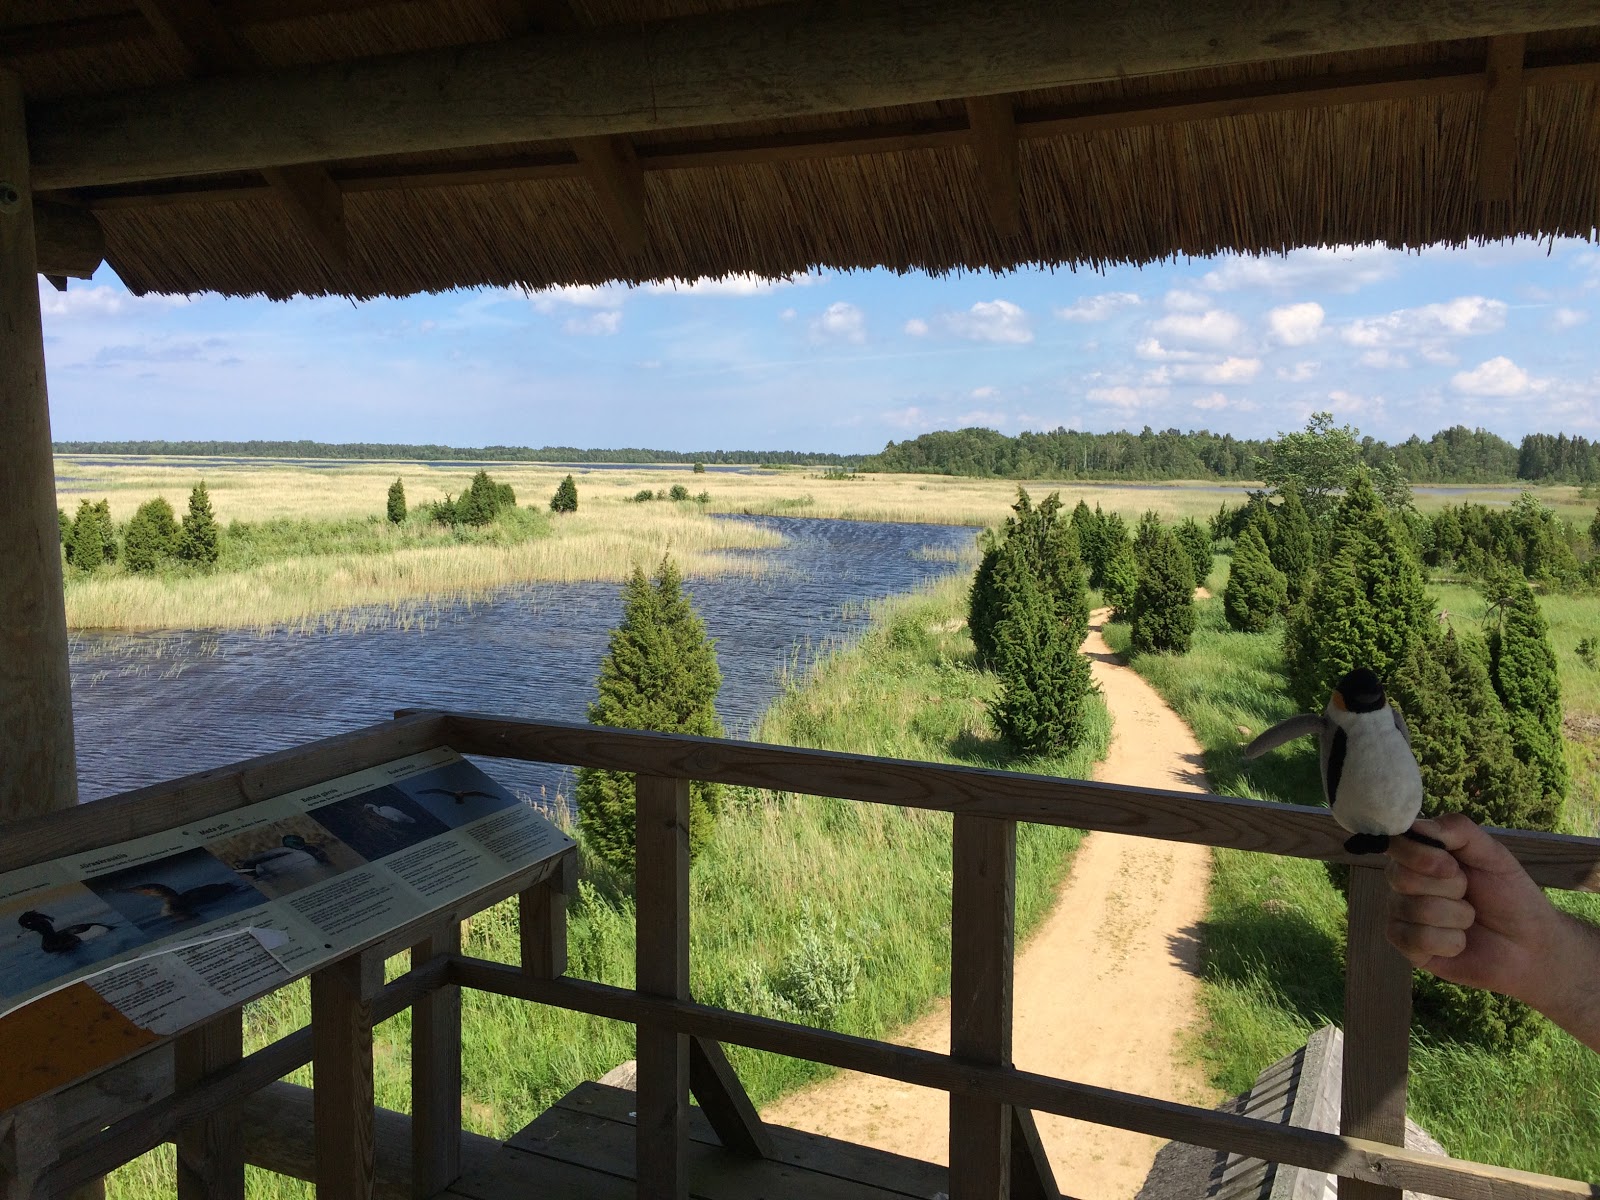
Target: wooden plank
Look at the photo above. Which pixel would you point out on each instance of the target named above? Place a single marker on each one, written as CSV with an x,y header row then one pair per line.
x,y
983,906
1377,1029
204,794
715,1084
210,1151
661,891
68,239
994,141
436,1074
1333,1153
514,1175
317,205
613,171
766,63
1554,860
341,1064
542,922
1501,118
276,1125
38,769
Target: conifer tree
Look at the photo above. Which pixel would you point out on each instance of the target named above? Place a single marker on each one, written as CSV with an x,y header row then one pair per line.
x,y
1145,535
565,499
86,546
397,502
1522,666
1121,580
199,541
64,529
1163,603
1594,532
1291,543
152,536
1196,543
984,602
659,673
1045,547
1256,589
1090,528
1044,678
108,531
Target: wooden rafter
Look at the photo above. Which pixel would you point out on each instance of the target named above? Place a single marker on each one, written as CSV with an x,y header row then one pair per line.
x,y
1502,118
210,48
994,141
755,64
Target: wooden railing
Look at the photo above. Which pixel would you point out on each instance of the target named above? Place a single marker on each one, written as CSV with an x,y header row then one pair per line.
x,y
997,1152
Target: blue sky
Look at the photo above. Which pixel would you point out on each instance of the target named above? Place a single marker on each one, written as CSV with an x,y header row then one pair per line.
x,y
1502,336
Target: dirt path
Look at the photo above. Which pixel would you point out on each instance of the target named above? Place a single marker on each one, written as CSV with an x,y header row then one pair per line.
x,y
1104,987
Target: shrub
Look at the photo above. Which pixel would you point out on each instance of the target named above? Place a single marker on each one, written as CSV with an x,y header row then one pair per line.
x,y
984,602
397,502
1290,543
1163,602
64,527
1588,651
1121,581
152,536
1090,528
1046,549
1145,535
443,511
92,541
699,468
1044,677
1196,543
1256,589
703,498
481,503
642,495
565,499
1522,666
659,673
199,541
678,492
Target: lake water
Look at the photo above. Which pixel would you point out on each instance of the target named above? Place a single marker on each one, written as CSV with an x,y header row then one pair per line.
x,y
151,707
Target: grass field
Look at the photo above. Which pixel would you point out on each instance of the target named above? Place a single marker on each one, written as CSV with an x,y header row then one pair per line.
x,y
823,911
1275,928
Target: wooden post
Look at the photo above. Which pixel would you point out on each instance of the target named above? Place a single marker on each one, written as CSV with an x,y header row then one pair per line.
x,y
211,1150
661,836
1377,1029
436,1075
542,922
37,768
982,937
341,1062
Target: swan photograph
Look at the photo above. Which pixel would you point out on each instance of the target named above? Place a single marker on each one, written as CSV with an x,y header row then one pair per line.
x,y
379,822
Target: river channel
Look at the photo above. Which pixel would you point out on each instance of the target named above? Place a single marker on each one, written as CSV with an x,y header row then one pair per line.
x,y
150,707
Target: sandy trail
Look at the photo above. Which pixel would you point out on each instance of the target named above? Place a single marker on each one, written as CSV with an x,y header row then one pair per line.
x,y
1104,988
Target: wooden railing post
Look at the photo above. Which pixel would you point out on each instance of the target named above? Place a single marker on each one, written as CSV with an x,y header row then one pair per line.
x,y
542,922
661,889
1377,1029
982,940
436,1074
341,1061
210,1150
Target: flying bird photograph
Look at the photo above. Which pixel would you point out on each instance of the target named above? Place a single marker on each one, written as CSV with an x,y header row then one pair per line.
x,y
457,794
178,892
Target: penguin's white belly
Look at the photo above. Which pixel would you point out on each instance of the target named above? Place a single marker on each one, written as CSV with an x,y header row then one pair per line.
x,y
1380,788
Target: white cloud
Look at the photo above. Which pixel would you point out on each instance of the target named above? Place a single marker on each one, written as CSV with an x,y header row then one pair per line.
x,y
732,285
1465,316
1220,401
1152,349
1296,324
841,321
1347,404
1229,370
1121,396
1299,372
1183,300
1498,376
596,324
984,393
1568,318
990,321
788,314
1384,360
917,327
100,300
1098,308
579,295
1325,268
1214,327
1437,355
909,418
1214,401
992,417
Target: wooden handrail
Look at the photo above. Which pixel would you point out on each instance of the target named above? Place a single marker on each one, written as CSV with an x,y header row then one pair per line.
x,y
1374,1162
1554,860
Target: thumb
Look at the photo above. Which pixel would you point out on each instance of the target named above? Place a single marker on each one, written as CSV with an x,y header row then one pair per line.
x,y
1471,844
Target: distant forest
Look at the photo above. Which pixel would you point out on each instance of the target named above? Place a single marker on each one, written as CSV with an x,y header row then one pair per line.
x,y
1455,455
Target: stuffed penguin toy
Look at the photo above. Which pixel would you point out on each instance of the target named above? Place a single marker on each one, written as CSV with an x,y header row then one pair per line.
x,y
1369,775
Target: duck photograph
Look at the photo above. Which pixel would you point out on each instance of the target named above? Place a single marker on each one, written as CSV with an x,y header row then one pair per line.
x,y
457,793
178,892
51,934
379,822
285,856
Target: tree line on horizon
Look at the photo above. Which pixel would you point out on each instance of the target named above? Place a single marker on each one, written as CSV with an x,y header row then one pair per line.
x,y
429,452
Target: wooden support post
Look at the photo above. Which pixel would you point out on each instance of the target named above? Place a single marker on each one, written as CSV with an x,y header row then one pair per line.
x,y
211,1150
724,1101
341,1063
982,936
1377,1029
661,834
38,770
1501,119
436,1075
612,168
994,141
542,920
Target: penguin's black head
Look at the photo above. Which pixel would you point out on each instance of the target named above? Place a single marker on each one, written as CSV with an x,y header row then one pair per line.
x,y
1361,691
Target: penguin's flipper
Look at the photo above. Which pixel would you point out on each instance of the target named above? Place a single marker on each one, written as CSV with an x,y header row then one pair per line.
x,y
1303,725
1424,839
1366,843
1400,724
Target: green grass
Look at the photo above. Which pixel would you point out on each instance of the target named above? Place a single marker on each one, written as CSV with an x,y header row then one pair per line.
x,y
1273,942
823,911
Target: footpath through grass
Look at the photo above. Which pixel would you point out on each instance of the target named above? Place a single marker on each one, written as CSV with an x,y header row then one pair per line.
x,y
827,912
1273,948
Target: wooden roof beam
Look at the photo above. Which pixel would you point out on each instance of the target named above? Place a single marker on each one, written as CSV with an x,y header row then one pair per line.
x,y
786,60
1501,119
210,48
68,240
994,141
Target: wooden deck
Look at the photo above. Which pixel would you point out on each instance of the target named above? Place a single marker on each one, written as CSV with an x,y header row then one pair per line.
x,y
582,1148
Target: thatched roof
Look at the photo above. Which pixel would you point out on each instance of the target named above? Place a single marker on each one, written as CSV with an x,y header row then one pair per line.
x,y
1402,144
